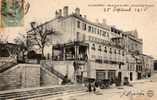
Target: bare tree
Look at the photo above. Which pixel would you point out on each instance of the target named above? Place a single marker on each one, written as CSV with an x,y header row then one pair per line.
x,y
22,40
39,35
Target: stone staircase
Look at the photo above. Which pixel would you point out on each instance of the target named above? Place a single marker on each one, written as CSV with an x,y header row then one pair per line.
x,y
40,92
50,68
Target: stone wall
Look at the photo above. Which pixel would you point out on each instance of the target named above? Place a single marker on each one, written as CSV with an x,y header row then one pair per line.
x,y
30,75
20,76
11,79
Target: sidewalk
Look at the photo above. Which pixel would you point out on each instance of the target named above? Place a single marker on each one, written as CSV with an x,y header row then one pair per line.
x,y
141,81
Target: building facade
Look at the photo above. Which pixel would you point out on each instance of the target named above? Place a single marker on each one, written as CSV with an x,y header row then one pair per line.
x,y
148,64
98,51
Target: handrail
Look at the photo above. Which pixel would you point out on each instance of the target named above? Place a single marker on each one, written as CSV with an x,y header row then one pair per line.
x,y
6,66
52,70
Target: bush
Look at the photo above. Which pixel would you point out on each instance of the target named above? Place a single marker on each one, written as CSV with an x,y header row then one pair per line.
x,y
4,53
33,55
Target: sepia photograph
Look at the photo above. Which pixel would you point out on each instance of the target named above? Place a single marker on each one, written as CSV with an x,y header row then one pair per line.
x,y
78,50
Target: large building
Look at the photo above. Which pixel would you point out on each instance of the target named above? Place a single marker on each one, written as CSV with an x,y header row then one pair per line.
x,y
97,50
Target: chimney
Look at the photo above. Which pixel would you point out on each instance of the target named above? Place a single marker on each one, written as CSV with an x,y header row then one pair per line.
x,y
65,11
60,12
77,11
56,13
104,21
85,16
97,20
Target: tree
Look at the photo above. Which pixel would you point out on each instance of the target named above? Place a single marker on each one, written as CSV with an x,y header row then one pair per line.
x,y
22,42
3,38
39,35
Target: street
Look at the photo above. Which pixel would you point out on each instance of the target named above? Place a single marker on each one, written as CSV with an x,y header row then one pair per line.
x,y
141,90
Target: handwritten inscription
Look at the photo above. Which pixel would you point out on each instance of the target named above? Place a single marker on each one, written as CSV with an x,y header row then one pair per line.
x,y
123,7
149,93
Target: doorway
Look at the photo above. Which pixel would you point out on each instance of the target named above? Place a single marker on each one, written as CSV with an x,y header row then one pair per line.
x,y
131,76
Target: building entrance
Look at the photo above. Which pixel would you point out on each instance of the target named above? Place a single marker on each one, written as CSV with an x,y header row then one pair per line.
x,y
120,76
131,76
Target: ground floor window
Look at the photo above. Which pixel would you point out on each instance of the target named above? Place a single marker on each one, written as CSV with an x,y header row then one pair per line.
x,y
100,75
111,74
105,74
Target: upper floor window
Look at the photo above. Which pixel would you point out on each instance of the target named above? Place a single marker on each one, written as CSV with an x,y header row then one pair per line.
x,y
123,53
77,35
107,34
84,26
95,30
93,46
98,31
104,33
119,51
78,24
105,49
110,50
115,51
89,28
92,29
99,48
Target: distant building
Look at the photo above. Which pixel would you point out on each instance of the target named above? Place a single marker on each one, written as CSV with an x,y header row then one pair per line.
x,y
155,65
148,66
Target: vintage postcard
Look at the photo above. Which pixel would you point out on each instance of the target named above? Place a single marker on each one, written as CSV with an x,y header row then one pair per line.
x,y
78,50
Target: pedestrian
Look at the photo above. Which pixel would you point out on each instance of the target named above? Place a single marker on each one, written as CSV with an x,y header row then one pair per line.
x,y
94,88
89,87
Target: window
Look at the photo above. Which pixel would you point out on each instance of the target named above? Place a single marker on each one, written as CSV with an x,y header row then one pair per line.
x,y
99,49
78,24
92,29
107,34
119,51
119,66
105,49
123,53
110,50
104,33
89,28
93,46
115,51
98,31
84,26
77,36
95,30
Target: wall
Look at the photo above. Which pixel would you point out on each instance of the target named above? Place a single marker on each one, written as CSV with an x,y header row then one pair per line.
x,y
11,79
20,76
30,75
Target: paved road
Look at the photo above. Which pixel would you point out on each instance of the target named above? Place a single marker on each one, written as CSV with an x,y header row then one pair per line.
x,y
142,90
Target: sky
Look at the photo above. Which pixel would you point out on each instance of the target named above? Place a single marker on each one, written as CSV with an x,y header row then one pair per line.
x,y
144,22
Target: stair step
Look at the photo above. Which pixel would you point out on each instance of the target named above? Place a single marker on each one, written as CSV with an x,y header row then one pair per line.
x,y
40,92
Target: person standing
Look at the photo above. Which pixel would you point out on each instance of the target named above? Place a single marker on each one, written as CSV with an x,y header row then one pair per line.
x,y
89,87
94,87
